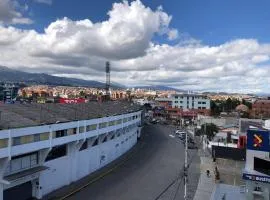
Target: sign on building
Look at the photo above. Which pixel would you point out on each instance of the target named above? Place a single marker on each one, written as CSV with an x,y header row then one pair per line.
x,y
258,140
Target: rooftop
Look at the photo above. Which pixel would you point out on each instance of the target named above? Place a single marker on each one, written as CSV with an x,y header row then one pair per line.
x,y
23,115
189,95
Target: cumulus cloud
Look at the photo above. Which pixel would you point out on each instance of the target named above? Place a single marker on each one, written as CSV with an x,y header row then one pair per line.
x,y
80,48
10,13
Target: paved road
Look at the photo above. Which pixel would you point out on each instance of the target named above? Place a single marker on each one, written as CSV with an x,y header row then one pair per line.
x,y
158,161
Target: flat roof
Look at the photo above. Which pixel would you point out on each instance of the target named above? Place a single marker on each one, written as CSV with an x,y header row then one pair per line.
x,y
189,95
32,114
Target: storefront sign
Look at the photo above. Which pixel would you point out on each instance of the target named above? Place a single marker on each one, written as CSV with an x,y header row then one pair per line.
x,y
250,177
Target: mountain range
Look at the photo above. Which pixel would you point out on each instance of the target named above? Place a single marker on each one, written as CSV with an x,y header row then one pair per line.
x,y
11,75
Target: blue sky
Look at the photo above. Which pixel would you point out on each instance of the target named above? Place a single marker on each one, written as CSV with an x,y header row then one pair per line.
x,y
197,45
211,21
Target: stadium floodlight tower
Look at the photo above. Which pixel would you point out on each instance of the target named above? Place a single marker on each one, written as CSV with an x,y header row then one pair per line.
x,y
108,81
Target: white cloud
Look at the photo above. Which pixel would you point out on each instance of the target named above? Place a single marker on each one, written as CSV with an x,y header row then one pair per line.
x,y
49,2
80,49
173,34
10,13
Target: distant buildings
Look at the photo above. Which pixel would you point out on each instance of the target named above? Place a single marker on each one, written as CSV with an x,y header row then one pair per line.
x,y
260,109
8,92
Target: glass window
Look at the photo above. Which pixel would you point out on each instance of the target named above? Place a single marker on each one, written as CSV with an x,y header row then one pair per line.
x,y
111,123
61,133
91,127
36,137
16,141
81,129
103,125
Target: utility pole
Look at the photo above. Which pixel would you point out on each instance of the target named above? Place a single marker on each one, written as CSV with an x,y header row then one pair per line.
x,y
186,167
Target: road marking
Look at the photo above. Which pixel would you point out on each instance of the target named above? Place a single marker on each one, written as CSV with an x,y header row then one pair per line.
x,y
172,136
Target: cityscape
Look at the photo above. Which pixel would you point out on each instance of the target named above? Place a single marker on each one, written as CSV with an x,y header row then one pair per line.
x,y
134,100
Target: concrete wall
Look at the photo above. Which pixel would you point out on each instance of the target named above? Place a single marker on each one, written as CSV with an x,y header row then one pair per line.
x,y
62,172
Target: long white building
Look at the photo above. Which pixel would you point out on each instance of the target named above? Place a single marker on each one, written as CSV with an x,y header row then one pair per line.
x,y
45,147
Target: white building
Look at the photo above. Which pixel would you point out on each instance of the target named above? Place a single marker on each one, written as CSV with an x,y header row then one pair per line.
x,y
190,101
44,156
257,168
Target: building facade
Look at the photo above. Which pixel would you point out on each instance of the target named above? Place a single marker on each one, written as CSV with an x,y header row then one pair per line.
x,y
257,168
40,159
190,101
261,109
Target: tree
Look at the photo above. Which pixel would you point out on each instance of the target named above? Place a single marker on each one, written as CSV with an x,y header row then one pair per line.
x,y
248,104
209,130
82,93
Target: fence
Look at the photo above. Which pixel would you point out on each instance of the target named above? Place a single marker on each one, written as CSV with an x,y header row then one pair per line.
x,y
228,153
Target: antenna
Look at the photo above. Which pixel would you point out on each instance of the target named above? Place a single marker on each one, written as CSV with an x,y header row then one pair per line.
x,y
108,81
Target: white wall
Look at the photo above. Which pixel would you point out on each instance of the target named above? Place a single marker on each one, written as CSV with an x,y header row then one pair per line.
x,y
86,162
56,176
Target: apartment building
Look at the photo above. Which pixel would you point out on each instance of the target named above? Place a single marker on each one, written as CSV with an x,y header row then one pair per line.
x,y
190,101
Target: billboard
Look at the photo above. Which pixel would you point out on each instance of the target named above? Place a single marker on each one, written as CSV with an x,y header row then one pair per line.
x,y
258,140
70,100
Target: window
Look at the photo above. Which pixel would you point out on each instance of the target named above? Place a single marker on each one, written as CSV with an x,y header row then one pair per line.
x,y
81,129
119,121
199,102
22,162
74,131
203,102
16,141
111,123
176,97
91,127
103,125
57,152
176,102
84,146
3,143
36,137
61,133
181,101
262,166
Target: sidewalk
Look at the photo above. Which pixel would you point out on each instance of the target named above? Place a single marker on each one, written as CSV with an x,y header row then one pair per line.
x,y
206,184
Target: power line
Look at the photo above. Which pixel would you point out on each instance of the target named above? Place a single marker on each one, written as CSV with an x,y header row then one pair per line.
x,y
178,187
172,183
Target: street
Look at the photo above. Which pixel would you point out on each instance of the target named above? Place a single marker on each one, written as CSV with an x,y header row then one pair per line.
x,y
155,165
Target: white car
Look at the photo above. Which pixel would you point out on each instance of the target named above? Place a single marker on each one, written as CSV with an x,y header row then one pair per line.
x,y
179,132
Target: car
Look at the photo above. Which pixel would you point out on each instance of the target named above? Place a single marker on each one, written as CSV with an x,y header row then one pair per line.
x,y
177,132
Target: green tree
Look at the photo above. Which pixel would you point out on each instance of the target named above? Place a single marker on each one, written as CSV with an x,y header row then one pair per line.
x,y
209,130
248,104
82,93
